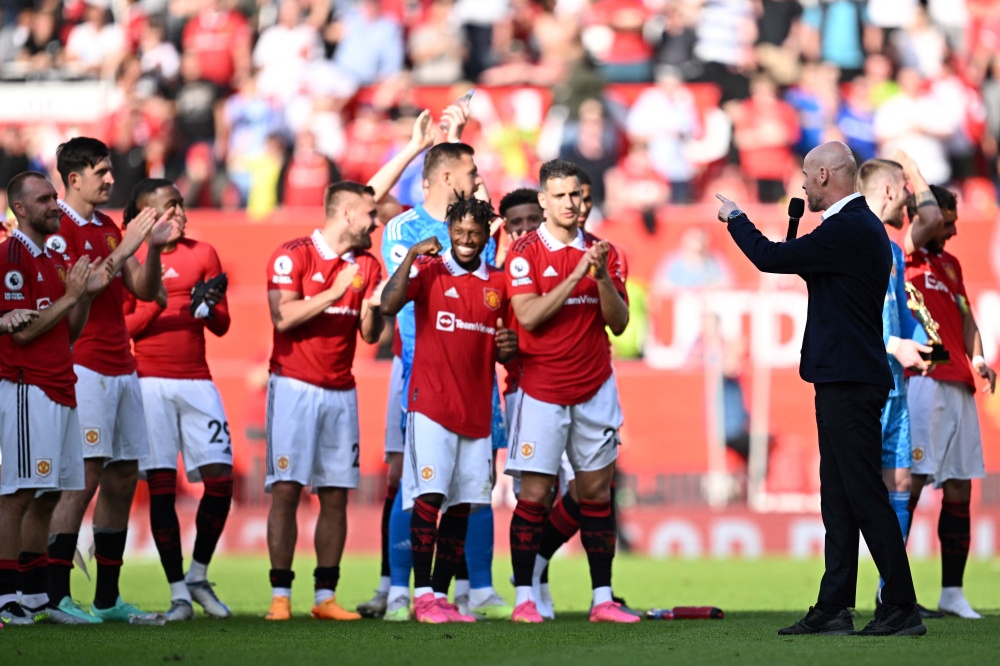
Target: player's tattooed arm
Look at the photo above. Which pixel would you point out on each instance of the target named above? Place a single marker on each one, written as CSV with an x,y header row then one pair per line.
x,y
371,322
506,342
533,310
929,218
613,306
394,293
76,293
387,177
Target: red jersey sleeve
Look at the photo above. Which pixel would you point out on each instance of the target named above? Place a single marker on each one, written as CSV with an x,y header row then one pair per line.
x,y
521,278
285,270
139,314
219,322
418,278
373,270
618,271
17,291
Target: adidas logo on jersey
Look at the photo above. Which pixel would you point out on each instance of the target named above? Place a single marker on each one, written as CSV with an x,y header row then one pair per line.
x,y
87,246
451,293
170,273
318,277
550,272
40,278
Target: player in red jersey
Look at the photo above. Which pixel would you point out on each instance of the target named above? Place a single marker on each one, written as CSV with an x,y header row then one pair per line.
x,y
459,302
944,424
39,430
565,286
110,410
323,290
184,412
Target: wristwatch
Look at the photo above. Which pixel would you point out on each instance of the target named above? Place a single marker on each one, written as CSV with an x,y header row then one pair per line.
x,y
735,214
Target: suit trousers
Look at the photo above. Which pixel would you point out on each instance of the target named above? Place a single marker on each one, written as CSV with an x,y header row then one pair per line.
x,y
854,497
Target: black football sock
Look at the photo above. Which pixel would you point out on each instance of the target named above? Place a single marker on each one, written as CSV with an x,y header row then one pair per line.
x,y
597,532
450,552
954,533
525,537
390,497
109,547
281,578
164,523
34,579
62,547
213,510
423,537
326,578
560,526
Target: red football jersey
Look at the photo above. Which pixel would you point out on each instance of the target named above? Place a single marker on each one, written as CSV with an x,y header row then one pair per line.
x,y
104,344
568,358
34,279
513,366
455,350
213,37
170,342
320,351
939,279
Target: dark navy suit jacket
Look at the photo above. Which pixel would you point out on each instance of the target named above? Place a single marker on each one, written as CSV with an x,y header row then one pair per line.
x,y
846,262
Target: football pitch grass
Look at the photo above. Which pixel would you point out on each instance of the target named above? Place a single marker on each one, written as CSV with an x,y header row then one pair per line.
x,y
758,596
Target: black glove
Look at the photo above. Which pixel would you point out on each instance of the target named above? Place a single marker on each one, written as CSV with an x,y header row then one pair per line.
x,y
201,302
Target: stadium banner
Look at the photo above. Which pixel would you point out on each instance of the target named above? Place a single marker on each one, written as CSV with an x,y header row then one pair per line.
x,y
666,430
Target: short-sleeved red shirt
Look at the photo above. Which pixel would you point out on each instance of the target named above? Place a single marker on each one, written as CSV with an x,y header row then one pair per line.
x,y
34,278
568,358
320,351
170,342
104,346
455,353
938,277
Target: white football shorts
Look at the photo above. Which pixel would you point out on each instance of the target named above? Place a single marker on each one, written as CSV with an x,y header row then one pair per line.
x,y
587,433
40,441
944,429
112,418
312,435
512,402
394,410
185,416
439,461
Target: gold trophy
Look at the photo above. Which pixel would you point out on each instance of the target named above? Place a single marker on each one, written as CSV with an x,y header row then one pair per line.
x,y
915,302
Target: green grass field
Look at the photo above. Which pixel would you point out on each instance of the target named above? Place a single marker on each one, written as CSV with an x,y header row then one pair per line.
x,y
759,597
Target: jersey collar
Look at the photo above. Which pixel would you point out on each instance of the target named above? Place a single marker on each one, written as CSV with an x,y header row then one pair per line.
x,y
27,242
76,217
554,245
482,272
326,252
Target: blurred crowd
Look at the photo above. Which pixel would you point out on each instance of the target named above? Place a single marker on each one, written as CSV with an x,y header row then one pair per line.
x,y
262,103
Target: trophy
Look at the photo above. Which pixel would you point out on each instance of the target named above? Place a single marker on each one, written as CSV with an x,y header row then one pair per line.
x,y
915,302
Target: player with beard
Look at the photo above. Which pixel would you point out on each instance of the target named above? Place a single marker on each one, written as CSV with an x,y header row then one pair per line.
x,y
322,291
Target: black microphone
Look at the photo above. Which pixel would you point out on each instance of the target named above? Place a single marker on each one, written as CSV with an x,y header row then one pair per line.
x,y
796,209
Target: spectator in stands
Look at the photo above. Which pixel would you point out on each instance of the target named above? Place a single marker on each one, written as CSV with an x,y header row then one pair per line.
x,y
246,120
835,32
220,38
96,46
128,155
435,47
879,77
195,106
777,48
634,184
991,137
305,174
614,35
592,144
665,118
284,51
916,123
816,99
674,37
693,265
765,129
856,120
477,19
369,44
920,45
13,160
726,34
40,53
159,58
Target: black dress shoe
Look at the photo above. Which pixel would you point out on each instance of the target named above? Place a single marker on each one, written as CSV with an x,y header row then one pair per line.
x,y
928,614
895,620
818,622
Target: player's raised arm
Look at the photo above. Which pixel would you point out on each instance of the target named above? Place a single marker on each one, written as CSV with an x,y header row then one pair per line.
x,y
371,322
144,279
394,293
924,226
614,309
387,176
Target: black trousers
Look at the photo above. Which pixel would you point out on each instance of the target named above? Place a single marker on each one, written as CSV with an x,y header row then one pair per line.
x,y
854,497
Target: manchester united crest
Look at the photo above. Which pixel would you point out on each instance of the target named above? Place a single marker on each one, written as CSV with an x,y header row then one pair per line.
x,y
43,466
92,436
951,273
492,298
527,449
61,272
427,472
918,454
283,463
358,282
111,241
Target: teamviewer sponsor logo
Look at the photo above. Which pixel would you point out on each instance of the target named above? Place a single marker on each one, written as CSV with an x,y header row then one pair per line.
x,y
583,300
445,321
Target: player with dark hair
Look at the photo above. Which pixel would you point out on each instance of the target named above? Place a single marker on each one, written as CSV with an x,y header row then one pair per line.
x,y
947,445
110,410
323,290
586,198
39,428
459,304
184,412
565,286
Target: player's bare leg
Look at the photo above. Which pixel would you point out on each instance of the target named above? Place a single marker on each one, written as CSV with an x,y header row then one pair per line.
x,y
598,534
13,507
213,511
282,533
331,534
64,531
525,540
376,606
954,533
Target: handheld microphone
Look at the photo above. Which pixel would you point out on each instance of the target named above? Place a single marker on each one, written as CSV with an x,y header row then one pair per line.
x,y
796,209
